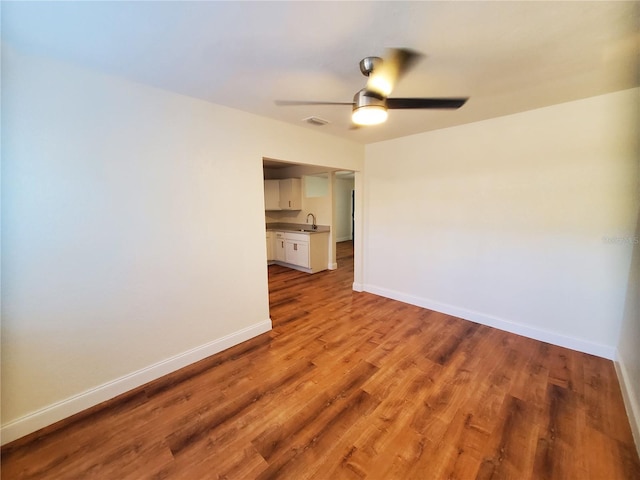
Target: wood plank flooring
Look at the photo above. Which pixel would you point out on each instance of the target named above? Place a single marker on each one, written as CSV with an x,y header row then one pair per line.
x,y
353,386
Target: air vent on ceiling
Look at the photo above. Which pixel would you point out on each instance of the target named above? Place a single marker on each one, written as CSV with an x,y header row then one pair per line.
x,y
315,121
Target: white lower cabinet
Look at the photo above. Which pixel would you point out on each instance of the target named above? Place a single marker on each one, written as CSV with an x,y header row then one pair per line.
x,y
304,251
269,247
297,252
279,247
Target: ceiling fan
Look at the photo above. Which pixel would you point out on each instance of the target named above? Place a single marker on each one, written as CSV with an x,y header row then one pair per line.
x,y
370,105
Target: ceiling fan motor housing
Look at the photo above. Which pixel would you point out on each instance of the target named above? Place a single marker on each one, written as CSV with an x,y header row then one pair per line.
x,y
366,98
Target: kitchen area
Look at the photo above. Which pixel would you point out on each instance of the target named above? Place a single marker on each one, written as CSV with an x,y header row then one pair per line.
x,y
307,209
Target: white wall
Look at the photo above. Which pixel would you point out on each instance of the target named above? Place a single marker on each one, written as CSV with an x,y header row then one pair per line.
x,y
120,258
503,221
343,189
628,361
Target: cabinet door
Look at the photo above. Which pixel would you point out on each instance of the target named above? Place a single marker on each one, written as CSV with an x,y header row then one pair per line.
x,y
291,253
272,194
279,247
297,253
302,249
290,194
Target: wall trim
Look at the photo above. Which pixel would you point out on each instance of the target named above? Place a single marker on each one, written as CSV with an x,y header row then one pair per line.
x,y
70,406
631,403
543,335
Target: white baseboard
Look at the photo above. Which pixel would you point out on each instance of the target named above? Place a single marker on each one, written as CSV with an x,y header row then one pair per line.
x,y
343,239
89,398
358,287
630,400
548,336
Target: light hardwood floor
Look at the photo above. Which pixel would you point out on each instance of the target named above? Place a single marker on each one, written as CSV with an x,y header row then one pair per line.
x,y
349,385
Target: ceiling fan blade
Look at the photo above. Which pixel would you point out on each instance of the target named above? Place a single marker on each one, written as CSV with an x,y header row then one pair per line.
x,y
396,103
405,59
395,64
289,103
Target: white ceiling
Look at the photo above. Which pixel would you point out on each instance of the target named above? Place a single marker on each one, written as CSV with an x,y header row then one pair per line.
x,y
507,56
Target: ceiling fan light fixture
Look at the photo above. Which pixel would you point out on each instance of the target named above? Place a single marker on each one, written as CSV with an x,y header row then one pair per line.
x,y
369,115
368,108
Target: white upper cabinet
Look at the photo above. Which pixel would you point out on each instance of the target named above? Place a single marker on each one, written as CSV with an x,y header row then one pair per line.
x,y
272,194
283,194
290,194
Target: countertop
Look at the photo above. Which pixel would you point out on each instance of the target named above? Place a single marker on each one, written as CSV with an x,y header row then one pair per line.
x,y
296,227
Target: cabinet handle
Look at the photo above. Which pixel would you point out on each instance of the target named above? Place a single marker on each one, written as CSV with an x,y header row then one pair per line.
x,y
295,247
282,244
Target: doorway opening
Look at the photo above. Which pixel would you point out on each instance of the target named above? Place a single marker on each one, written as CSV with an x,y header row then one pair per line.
x,y
327,199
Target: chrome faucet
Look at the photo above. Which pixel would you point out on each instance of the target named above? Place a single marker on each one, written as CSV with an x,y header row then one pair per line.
x,y
313,225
